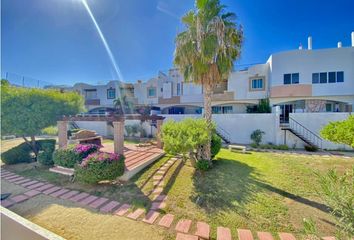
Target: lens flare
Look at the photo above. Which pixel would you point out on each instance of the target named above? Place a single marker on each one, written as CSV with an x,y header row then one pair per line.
x,y
108,49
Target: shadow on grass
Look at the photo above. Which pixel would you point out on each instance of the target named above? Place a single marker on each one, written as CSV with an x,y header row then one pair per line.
x,y
231,184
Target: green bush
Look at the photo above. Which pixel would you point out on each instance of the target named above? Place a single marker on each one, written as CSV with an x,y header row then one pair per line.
x,y
215,145
66,158
45,158
202,165
100,166
311,148
51,131
19,154
282,147
340,131
256,136
45,155
47,145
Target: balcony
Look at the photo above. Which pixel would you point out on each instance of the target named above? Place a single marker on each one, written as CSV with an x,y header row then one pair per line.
x,y
225,96
93,102
172,100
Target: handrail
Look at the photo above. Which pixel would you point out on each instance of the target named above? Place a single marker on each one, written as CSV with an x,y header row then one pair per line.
x,y
223,132
308,134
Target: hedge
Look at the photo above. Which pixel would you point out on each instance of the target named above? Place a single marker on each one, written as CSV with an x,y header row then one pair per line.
x,y
66,158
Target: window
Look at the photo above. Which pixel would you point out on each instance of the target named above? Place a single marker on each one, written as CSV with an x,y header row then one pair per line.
x,y
340,76
221,109
315,77
111,93
178,89
152,92
227,109
291,78
332,77
323,77
257,84
329,107
287,78
90,94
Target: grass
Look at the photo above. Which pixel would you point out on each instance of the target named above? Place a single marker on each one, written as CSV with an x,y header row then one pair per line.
x,y
258,191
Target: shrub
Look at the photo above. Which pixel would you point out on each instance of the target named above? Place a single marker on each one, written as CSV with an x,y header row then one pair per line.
x,y
51,131
282,147
256,136
19,154
86,149
337,192
215,145
340,131
45,158
47,145
310,148
202,165
66,158
100,166
45,155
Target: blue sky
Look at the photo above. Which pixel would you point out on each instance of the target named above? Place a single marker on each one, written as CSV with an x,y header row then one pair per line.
x,y
55,40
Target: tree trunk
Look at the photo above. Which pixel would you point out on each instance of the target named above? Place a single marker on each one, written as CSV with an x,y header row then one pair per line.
x,y
208,118
32,145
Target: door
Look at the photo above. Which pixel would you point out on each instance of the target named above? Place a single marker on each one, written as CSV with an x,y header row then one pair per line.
x,y
285,110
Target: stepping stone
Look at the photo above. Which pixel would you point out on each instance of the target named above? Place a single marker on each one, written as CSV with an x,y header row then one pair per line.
x,y
3,175
137,213
60,192
328,238
151,216
158,205
32,193
69,194
29,183
223,233
88,200
161,172
19,198
182,236
183,225
22,181
44,187
286,236
79,197
157,177
160,198
166,220
158,183
51,190
7,203
203,230
264,236
11,177
244,234
36,185
109,207
157,191
98,202
122,210
163,168
16,179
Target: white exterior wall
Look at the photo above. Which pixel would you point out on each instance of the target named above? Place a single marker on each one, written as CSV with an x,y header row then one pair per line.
x,y
100,127
306,62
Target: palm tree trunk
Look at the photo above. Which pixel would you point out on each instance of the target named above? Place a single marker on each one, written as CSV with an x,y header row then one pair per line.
x,y
208,118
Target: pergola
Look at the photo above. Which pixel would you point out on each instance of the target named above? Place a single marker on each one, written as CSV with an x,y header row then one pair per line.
x,y
118,127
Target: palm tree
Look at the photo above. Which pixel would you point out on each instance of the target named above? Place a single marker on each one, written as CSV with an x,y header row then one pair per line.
x,y
206,50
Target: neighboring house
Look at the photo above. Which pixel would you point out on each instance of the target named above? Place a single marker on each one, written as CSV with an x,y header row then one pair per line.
x,y
301,80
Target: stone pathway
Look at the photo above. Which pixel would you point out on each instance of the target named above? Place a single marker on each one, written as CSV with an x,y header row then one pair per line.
x,y
183,227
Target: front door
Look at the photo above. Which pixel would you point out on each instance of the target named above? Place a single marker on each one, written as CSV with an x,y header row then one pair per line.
x,y
285,110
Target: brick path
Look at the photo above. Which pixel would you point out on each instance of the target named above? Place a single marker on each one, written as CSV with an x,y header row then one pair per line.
x,y
183,227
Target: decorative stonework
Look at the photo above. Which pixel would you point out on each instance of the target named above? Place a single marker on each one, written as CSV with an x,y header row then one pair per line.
x,y
315,105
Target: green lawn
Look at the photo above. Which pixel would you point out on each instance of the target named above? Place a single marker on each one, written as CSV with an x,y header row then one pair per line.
x,y
259,191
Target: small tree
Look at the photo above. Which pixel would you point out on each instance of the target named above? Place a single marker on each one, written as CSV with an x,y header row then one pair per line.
x,y
256,136
26,111
340,131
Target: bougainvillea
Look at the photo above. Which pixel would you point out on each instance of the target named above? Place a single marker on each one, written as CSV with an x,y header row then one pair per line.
x,y
86,149
100,157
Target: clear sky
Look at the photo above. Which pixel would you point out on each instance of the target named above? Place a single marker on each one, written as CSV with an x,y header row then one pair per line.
x,y
56,40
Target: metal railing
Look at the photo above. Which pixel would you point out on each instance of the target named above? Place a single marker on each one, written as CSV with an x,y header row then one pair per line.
x,y
305,132
223,133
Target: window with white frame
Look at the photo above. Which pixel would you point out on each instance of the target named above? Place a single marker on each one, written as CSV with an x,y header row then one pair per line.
x,y
90,94
178,89
291,78
257,84
111,93
151,92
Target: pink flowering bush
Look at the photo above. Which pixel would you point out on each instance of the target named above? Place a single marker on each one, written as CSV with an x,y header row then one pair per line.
x,y
86,149
99,166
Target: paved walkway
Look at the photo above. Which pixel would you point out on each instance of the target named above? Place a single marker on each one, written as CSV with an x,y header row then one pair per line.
x,y
183,227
